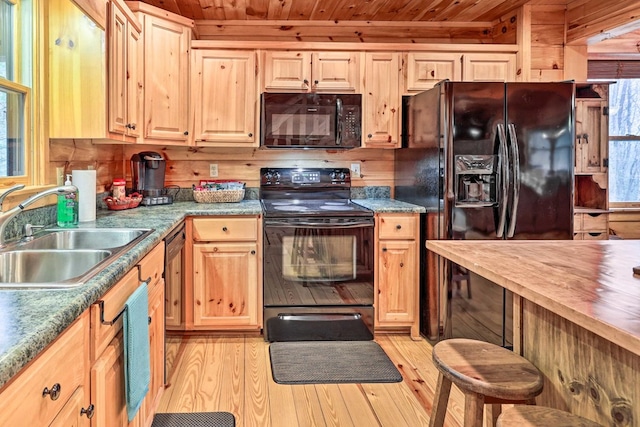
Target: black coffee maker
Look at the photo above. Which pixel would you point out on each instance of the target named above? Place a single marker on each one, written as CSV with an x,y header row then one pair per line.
x,y
147,170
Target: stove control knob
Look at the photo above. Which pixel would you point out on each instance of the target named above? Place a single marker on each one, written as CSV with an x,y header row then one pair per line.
x,y
276,176
268,176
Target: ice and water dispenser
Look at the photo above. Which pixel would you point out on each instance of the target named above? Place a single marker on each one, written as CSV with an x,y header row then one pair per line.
x,y
475,180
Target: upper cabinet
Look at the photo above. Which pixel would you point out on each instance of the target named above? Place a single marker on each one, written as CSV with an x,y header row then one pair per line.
x,y
312,71
592,130
167,39
500,67
225,98
424,69
125,77
381,100
76,72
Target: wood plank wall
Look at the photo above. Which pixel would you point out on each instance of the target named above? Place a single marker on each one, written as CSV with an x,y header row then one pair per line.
x,y
547,42
188,165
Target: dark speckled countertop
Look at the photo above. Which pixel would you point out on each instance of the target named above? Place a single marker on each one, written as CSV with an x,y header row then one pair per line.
x,y
32,319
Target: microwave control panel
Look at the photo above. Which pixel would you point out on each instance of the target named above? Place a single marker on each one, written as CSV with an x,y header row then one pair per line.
x,y
352,122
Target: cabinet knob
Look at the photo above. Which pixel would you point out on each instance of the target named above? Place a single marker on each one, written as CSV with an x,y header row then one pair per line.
x,y
54,392
384,249
149,320
253,252
224,229
250,135
133,126
186,132
306,82
402,264
398,227
89,411
316,82
369,136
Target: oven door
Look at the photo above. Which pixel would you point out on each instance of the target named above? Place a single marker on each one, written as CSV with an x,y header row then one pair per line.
x,y
318,262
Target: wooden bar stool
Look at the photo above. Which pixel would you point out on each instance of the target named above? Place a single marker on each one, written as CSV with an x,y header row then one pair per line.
x,y
486,374
539,416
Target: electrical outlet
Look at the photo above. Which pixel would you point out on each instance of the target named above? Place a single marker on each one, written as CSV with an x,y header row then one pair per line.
x,y
59,176
213,170
355,169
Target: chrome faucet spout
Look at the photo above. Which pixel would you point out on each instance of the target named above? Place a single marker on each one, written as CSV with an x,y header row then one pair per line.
x,y
6,217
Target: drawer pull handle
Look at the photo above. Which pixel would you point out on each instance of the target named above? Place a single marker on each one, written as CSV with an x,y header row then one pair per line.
x,y
224,229
54,392
115,319
398,227
88,412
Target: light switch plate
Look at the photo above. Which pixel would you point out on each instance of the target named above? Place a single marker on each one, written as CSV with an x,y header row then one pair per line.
x,y
355,169
213,170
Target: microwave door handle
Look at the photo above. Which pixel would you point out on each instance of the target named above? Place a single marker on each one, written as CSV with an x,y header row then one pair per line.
x,y
515,169
503,181
339,121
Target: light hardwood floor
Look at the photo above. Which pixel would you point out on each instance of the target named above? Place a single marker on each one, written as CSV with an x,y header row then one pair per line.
x,y
233,374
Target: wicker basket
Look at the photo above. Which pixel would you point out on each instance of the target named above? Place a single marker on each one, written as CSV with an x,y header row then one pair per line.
x,y
218,196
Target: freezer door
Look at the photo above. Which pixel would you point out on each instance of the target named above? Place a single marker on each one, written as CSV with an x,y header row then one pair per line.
x,y
539,122
474,197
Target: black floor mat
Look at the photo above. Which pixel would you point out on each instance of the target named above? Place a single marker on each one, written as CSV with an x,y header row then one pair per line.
x,y
194,419
281,330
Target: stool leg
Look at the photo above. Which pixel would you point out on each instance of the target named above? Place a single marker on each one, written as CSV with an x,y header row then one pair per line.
x,y
473,409
440,401
493,412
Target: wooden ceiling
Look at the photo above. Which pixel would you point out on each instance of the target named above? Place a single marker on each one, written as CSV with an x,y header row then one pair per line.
x,y
342,10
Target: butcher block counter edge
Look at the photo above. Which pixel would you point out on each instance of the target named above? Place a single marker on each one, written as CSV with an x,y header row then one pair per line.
x,y
556,276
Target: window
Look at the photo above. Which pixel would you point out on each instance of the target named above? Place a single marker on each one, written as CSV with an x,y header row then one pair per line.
x,y
624,143
15,81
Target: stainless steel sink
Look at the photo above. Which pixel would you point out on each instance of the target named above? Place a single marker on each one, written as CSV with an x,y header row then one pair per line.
x,y
48,268
64,258
85,238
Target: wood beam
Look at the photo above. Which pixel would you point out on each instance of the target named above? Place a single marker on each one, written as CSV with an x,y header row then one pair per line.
x,y
592,21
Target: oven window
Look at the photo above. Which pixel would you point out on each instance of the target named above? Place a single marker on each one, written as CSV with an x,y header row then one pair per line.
x,y
306,125
314,258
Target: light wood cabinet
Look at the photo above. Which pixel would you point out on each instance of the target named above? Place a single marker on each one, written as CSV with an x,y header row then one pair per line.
x,y
107,369
591,194
227,266
500,67
225,98
166,78
125,77
52,389
381,100
424,69
396,282
329,71
76,73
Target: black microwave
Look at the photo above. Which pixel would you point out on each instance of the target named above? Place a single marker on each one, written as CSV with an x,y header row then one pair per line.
x,y
310,120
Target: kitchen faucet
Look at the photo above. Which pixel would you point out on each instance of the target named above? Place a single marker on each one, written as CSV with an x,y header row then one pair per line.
x,y
6,217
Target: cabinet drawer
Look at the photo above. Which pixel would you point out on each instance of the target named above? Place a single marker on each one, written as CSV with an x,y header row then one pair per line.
x,y
152,266
217,229
112,305
397,227
61,366
594,222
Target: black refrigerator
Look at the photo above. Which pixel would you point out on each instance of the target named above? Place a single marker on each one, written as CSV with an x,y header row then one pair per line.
x,y
488,160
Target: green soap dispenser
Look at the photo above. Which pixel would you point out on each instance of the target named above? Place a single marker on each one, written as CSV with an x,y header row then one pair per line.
x,y
68,207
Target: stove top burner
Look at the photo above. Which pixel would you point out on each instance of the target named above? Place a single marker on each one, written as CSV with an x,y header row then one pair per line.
x,y
280,207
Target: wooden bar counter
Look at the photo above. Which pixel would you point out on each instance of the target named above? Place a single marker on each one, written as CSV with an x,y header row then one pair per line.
x,y
576,317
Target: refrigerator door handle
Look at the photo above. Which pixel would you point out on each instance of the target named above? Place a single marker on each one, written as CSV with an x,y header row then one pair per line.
x,y
515,167
504,180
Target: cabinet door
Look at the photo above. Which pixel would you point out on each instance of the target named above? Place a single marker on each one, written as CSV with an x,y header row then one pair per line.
x,y
592,136
396,282
381,100
156,354
70,415
500,67
225,98
118,33
335,71
225,284
107,387
425,69
134,81
287,71
166,80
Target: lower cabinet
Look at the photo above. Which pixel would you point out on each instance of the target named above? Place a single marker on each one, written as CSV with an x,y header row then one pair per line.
x,y
226,273
590,225
79,379
397,289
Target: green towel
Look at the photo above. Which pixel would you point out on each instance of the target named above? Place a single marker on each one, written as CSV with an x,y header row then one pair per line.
x,y
137,372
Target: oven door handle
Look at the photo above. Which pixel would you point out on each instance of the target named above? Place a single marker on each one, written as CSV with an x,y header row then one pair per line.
x,y
300,224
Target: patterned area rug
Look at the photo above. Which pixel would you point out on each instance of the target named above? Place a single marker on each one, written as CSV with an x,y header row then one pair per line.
x,y
194,419
331,362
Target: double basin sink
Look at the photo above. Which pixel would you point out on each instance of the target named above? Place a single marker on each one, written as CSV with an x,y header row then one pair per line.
x,y
64,258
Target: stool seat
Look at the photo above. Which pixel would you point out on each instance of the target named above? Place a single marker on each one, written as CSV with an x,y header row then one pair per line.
x,y
485,373
531,416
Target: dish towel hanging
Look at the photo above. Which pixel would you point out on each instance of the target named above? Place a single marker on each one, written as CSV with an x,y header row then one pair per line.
x,y
137,372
